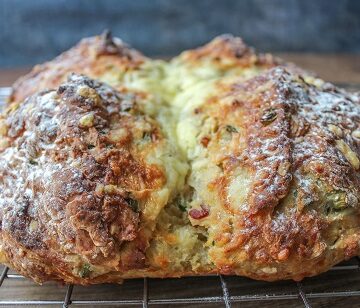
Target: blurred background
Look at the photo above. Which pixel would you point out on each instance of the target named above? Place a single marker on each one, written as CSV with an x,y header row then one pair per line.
x,y
34,31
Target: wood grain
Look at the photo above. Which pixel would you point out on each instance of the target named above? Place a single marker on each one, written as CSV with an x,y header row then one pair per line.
x,y
330,67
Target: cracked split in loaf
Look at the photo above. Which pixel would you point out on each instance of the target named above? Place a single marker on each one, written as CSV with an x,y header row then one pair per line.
x,y
221,160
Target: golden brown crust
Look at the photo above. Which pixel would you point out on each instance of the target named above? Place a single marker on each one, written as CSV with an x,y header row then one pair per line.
x,y
91,56
227,51
88,184
300,214
74,179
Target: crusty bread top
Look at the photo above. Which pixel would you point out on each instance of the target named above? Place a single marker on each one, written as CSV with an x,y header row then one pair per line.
x,y
78,166
275,166
91,56
222,160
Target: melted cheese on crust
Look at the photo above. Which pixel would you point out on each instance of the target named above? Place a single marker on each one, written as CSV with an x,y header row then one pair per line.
x,y
261,172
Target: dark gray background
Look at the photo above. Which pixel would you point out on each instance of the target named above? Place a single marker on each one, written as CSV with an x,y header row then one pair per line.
x,y
32,31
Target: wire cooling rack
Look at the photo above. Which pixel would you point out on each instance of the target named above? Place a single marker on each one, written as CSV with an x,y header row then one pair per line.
x,y
339,287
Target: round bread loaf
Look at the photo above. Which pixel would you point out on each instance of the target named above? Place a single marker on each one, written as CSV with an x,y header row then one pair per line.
x,y
219,161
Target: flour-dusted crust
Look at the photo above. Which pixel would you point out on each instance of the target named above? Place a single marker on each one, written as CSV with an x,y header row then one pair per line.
x,y
92,57
275,162
77,184
222,160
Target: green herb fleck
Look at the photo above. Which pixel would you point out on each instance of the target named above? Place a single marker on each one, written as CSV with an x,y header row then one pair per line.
x,y
295,193
133,204
128,103
33,162
181,204
85,270
182,207
90,146
126,107
230,129
338,200
147,136
268,116
335,202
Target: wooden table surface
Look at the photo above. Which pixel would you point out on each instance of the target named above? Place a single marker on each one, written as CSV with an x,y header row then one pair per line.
x,y
330,67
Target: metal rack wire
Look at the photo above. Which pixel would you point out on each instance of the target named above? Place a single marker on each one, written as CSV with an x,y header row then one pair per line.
x,y
227,297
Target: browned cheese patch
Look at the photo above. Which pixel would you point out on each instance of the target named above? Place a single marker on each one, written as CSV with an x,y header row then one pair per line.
x,y
74,179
